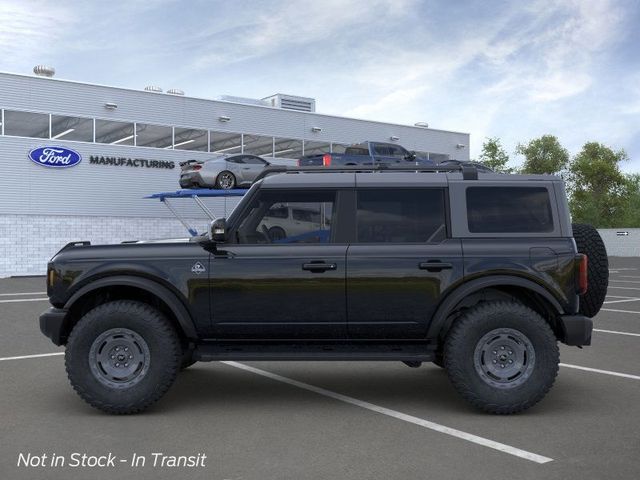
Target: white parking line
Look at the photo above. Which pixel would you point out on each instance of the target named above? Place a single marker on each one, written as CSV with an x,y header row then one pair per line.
x,y
32,356
629,276
17,300
485,442
624,281
597,370
616,332
623,288
615,269
618,311
624,300
22,293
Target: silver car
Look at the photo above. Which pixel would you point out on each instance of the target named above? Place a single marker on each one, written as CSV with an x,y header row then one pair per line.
x,y
223,171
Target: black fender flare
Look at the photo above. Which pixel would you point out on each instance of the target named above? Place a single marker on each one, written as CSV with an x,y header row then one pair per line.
x,y
439,319
164,294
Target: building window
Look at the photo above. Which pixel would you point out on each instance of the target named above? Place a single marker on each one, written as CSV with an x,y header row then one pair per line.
x,y
225,143
71,128
338,147
316,148
190,139
115,133
26,124
258,145
157,136
438,157
287,148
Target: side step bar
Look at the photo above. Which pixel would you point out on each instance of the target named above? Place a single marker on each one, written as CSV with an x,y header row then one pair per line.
x,y
403,352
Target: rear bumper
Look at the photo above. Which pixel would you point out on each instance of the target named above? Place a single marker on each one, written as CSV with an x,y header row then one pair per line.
x,y
577,329
53,325
192,179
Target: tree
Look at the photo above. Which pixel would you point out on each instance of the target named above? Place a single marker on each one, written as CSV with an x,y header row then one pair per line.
x,y
600,193
494,156
543,155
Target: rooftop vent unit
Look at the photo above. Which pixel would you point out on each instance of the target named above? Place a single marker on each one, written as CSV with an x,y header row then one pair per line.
x,y
153,88
291,102
44,71
175,91
243,100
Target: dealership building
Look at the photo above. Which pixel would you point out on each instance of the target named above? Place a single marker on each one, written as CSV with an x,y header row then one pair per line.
x,y
127,144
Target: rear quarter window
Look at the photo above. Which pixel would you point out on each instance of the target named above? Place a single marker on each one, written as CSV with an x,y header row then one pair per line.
x,y
509,210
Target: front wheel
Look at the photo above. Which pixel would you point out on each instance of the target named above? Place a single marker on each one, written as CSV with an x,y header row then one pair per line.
x,y
122,356
502,357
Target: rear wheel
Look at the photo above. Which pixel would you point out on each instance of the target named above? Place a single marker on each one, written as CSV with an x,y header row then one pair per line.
x,y
122,356
590,243
502,357
276,233
225,180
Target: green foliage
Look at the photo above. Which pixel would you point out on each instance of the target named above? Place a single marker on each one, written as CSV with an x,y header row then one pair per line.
x,y
543,155
494,156
600,193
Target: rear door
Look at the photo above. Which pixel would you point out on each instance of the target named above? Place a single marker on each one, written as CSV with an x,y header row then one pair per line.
x,y
401,262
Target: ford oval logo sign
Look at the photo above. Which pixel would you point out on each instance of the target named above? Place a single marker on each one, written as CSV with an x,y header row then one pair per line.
x,y
56,157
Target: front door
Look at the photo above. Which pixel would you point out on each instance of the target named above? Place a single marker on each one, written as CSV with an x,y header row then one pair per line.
x,y
401,262
280,276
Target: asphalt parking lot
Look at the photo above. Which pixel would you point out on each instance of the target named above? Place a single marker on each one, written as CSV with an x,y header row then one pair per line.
x,y
317,420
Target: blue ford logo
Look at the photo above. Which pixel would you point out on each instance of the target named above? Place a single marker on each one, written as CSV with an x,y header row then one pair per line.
x,y
56,157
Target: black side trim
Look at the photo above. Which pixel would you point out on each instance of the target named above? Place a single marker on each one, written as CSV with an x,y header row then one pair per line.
x,y
577,329
163,293
53,324
375,351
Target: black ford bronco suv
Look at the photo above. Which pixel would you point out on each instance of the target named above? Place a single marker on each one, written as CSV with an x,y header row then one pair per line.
x,y
481,273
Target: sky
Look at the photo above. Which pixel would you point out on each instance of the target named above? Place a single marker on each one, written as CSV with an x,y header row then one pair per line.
x,y
513,70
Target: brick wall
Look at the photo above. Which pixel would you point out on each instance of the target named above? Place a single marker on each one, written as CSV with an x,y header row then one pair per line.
x,y
27,242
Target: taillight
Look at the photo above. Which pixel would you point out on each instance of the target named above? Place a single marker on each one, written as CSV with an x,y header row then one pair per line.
x,y
326,160
583,279
299,162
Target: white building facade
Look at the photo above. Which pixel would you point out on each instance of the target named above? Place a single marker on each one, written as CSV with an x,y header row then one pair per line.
x,y
129,144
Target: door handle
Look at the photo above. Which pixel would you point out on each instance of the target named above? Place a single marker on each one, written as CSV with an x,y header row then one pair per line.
x,y
434,266
319,267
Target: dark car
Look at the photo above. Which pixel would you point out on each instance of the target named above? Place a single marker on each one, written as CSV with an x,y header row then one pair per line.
x,y
368,154
480,273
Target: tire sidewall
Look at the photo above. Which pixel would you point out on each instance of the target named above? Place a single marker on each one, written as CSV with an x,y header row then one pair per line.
x,y
459,354
164,353
225,172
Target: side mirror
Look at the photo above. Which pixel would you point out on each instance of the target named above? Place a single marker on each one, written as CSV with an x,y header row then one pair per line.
x,y
411,155
218,230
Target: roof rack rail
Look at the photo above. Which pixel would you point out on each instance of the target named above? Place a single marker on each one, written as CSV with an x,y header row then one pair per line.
x,y
469,171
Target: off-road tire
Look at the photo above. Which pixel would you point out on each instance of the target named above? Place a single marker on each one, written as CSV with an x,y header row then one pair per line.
x,y
220,179
164,356
468,332
590,243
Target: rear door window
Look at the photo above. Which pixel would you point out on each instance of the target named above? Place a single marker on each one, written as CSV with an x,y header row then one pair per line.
x,y
401,216
509,210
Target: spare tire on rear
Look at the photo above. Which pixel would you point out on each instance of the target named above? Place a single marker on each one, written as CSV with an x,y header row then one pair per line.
x,y
590,243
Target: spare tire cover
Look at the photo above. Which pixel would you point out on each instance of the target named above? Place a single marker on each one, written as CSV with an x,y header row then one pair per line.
x,y
590,243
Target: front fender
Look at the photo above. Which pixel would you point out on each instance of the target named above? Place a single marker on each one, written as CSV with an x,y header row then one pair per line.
x,y
174,303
